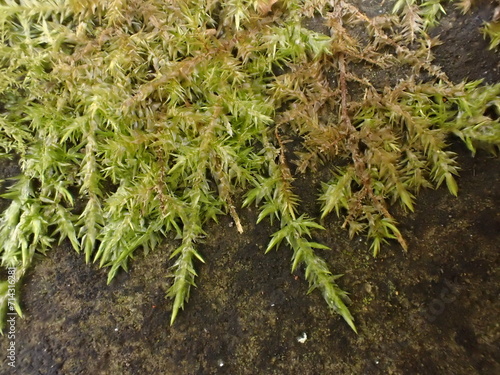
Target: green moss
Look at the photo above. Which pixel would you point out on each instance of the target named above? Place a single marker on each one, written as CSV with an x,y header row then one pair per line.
x,y
492,31
134,119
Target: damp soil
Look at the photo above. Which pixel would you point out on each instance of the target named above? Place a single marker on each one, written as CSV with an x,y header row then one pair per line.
x,y
432,310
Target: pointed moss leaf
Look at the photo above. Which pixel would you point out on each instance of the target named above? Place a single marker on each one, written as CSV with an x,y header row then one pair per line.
x,y
451,183
375,246
251,196
336,194
277,238
312,224
345,313
198,256
406,198
270,208
317,245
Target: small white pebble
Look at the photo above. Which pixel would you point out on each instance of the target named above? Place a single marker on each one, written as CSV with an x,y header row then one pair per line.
x,y
220,362
116,329
302,339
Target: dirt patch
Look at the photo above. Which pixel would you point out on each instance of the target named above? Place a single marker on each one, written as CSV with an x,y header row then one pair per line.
x,y
433,310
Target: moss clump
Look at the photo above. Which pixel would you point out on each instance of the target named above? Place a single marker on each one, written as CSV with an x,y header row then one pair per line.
x,y
133,119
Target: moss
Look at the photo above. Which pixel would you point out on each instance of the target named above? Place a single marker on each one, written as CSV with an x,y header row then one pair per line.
x,y
136,120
